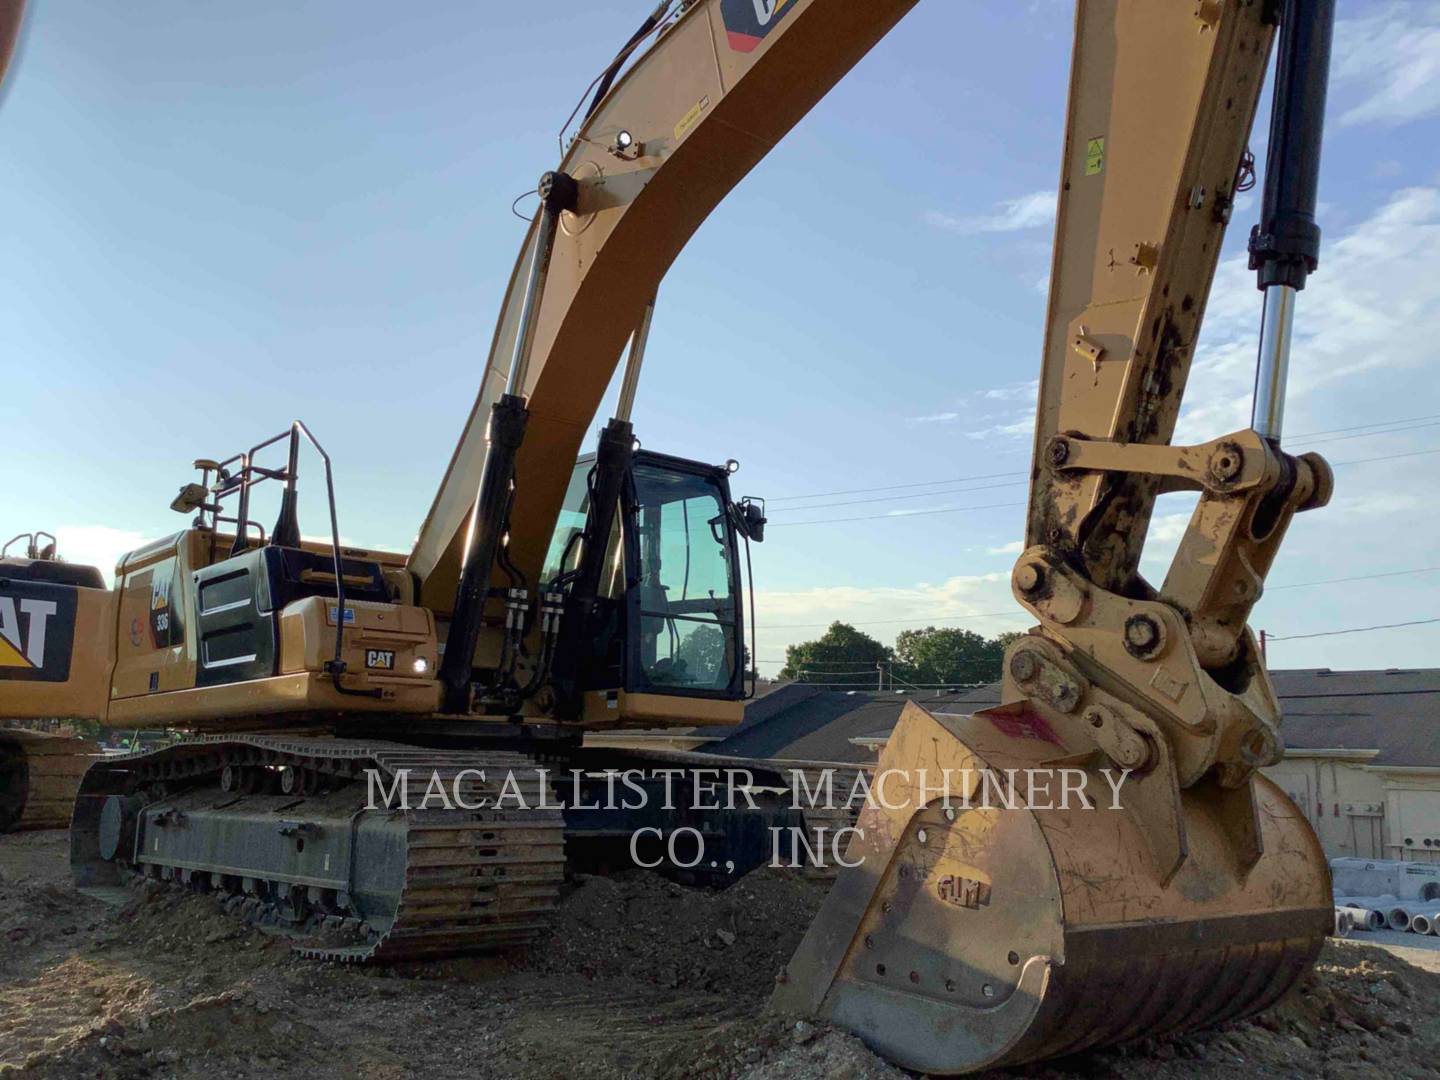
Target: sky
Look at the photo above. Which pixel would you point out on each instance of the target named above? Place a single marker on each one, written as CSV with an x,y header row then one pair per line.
x,y
219,218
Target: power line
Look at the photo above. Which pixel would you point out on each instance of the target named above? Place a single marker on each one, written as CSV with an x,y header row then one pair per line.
x,y
930,618
997,506
1357,577
897,498
1021,613
988,487
1348,694
1385,457
1289,439
1371,434
892,487
1358,427
1352,630
901,514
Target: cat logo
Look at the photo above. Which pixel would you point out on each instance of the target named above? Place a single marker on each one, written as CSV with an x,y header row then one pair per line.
x,y
380,658
165,626
37,627
748,21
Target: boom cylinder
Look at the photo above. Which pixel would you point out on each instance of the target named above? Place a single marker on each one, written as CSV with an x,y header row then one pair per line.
x,y
508,418
1285,245
612,464
630,382
557,192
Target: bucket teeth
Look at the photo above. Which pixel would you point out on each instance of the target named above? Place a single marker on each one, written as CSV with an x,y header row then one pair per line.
x,y
1004,901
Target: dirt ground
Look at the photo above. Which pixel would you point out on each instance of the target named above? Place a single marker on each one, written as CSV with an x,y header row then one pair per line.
x,y
642,979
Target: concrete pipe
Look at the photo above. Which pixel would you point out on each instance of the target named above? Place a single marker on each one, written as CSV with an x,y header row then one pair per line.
x,y
1379,903
1364,918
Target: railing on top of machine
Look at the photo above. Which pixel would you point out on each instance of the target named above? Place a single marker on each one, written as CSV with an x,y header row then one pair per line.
x,y
33,549
287,530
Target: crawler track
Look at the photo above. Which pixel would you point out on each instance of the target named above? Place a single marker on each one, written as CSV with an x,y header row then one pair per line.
x,y
39,773
445,880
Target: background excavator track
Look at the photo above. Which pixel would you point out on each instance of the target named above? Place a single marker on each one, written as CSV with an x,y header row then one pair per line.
x,y
39,774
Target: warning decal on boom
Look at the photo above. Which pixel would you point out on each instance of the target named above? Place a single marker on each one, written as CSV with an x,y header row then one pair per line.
x,y
37,630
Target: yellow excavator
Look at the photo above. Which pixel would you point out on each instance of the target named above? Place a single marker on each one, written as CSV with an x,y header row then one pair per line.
x,y
551,593
40,766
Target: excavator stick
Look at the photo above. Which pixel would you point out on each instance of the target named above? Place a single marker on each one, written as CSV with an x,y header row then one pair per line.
x,y
1003,904
39,777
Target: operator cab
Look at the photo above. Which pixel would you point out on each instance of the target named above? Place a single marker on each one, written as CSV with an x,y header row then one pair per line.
x,y
668,617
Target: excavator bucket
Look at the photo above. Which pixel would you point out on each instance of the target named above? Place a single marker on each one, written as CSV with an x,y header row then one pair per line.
x,y
39,776
1024,914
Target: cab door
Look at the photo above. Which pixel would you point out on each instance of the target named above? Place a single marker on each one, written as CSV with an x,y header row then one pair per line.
x,y
684,613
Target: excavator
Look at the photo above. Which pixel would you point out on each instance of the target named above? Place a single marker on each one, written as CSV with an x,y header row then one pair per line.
x,y
555,592
40,769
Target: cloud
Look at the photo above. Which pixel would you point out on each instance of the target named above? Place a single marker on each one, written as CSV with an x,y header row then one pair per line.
x,y
1011,215
1022,426
935,418
97,545
1025,391
1373,303
1015,547
786,617
1377,505
1390,60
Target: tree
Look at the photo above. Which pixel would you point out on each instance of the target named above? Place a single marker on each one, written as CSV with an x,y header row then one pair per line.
x,y
948,655
1007,638
842,657
702,651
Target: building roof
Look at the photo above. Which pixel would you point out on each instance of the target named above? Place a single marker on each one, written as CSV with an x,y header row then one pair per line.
x,y
804,722
1395,712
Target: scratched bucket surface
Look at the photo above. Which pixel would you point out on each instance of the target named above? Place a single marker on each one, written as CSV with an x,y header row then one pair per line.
x,y
991,936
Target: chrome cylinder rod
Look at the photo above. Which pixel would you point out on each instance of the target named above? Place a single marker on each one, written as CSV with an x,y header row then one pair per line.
x,y
1273,367
530,305
631,380
558,192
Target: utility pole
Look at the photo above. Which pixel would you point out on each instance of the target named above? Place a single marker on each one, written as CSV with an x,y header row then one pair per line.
x,y
1264,660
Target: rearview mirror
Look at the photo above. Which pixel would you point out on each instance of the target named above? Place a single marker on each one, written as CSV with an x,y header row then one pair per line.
x,y
752,518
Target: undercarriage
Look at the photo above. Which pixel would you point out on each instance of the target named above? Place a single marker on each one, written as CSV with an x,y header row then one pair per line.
x,y
368,850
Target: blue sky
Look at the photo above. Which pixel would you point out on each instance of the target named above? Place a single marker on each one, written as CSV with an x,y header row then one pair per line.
x,y
222,217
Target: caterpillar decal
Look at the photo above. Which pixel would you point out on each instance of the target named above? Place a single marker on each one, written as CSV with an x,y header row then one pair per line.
x,y
748,21
37,630
166,628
